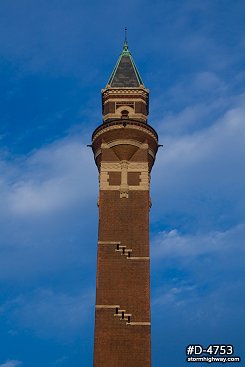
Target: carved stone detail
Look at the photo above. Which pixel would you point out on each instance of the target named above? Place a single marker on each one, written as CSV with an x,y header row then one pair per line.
x,y
127,142
138,166
117,114
110,166
116,127
124,167
124,180
138,92
124,142
124,193
104,180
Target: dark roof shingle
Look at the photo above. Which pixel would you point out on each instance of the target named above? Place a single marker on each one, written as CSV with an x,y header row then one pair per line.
x,y
125,73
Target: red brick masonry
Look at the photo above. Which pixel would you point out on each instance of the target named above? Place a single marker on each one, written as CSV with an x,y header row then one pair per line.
x,y
122,326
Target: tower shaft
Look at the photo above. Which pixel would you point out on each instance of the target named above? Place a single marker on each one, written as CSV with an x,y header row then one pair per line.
x,y
124,148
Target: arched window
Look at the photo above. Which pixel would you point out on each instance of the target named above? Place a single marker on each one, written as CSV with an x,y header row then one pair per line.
x,y
124,114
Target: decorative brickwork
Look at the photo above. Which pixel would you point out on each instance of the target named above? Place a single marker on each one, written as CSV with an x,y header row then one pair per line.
x,y
124,149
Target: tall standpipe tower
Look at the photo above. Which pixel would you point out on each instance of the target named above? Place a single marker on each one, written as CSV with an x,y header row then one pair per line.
x,y
124,147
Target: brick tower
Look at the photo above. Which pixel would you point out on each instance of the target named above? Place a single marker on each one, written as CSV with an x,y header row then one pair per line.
x,y
124,147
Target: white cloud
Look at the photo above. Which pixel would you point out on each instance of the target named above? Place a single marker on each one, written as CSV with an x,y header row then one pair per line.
x,y
200,175
61,360
196,276
211,260
11,363
196,85
52,179
48,209
198,197
176,245
194,103
51,314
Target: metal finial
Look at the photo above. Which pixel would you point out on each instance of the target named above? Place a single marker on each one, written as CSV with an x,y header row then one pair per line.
x,y
125,47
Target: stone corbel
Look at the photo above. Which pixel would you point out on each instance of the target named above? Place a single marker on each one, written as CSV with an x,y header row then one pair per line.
x,y
124,180
124,191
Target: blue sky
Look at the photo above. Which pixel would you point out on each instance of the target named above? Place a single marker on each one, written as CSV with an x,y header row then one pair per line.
x,y
55,56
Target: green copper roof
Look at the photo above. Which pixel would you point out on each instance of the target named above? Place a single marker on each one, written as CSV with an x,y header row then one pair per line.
x,y
125,73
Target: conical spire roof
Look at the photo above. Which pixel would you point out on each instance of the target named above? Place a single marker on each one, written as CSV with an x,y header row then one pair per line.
x,y
125,73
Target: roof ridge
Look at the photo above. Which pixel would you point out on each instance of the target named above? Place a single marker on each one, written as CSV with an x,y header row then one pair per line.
x,y
136,71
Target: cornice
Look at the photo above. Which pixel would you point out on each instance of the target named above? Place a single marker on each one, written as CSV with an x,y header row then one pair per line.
x,y
121,124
